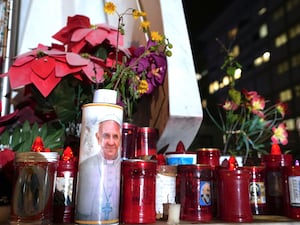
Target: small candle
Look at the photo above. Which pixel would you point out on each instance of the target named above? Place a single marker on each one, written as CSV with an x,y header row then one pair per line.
x,y
174,214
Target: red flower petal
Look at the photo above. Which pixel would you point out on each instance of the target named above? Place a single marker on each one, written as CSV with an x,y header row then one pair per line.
x,y
96,36
80,34
112,37
45,86
62,69
19,76
43,67
20,61
76,60
74,22
76,47
8,117
89,71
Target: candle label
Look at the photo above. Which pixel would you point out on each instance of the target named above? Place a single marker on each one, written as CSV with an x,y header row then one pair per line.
x,y
257,192
294,188
205,193
166,190
64,190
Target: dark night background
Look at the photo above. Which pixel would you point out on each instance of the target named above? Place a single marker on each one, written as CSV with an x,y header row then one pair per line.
x,y
199,15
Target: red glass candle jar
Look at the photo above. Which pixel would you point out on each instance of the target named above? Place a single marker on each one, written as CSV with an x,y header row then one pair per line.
x,y
194,186
146,143
233,194
274,183
128,141
138,191
64,195
257,190
210,156
291,190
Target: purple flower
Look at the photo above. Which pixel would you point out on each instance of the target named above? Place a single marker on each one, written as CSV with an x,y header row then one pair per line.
x,y
151,63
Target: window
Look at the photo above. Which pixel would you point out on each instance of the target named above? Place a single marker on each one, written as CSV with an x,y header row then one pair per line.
x,y
281,40
282,67
291,4
278,14
295,60
264,58
294,31
262,11
290,124
263,30
286,95
297,90
213,87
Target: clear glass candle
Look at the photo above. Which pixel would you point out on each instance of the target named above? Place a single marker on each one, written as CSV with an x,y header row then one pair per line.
x,y
33,187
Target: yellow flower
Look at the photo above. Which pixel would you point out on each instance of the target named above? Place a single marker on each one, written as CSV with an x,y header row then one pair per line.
x,y
109,8
155,36
145,25
143,87
136,14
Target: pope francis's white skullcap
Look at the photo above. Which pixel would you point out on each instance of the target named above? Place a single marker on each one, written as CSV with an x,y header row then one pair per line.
x,y
111,117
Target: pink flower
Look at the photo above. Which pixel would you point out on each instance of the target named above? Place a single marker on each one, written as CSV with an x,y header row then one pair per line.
x,y
281,108
257,103
279,134
249,95
229,105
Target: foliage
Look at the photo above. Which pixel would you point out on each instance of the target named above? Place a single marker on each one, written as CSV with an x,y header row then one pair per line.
x,y
21,138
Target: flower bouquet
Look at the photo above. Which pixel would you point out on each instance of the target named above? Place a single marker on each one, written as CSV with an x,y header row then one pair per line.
x,y
248,122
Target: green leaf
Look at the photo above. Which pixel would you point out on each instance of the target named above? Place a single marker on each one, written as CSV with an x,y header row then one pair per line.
x,y
21,138
235,96
101,53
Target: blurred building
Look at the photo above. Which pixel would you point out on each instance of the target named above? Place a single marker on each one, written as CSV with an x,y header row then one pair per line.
x,y
264,35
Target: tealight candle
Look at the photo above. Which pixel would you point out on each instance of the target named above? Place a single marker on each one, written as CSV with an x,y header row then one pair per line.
x,y
174,214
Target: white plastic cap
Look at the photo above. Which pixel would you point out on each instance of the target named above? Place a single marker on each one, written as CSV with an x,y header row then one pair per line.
x,y
105,96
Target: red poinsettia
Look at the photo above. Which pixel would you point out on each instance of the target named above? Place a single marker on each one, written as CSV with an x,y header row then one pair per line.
x,y
45,66
79,35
